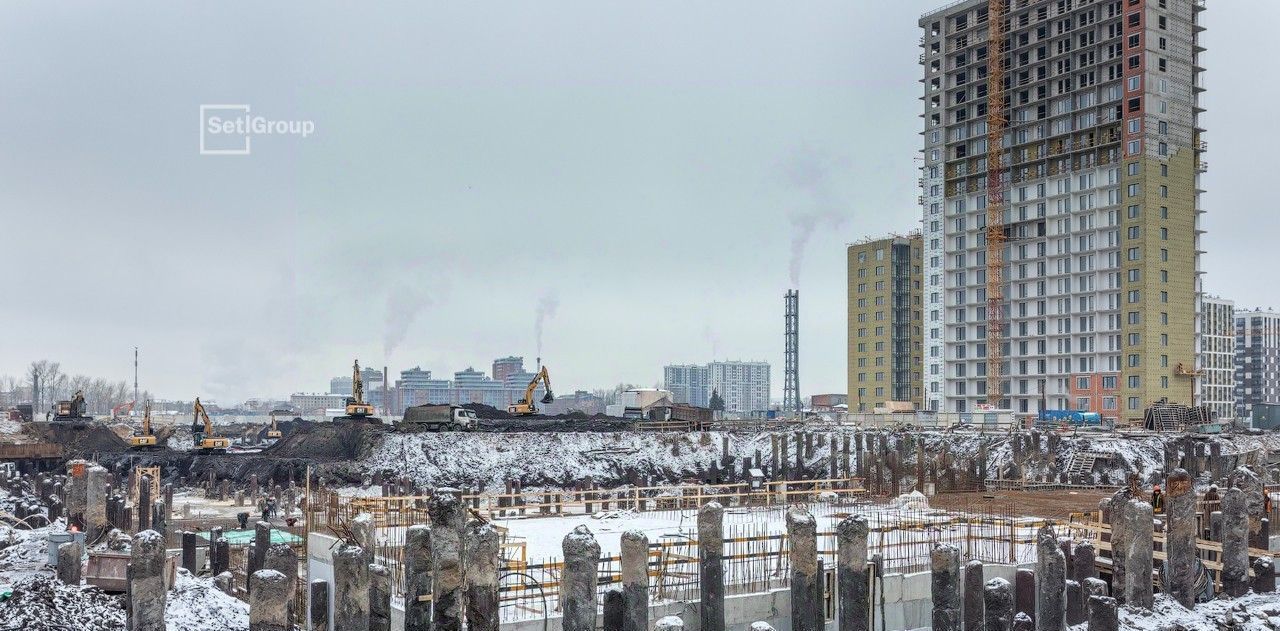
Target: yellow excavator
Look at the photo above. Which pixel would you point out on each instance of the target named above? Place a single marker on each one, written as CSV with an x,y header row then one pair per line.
x,y
202,436
274,433
145,439
525,406
357,409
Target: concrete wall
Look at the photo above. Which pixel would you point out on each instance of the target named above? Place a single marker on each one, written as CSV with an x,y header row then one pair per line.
x,y
320,549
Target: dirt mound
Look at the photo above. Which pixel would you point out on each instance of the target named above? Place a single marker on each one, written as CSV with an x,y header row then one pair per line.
x,y
78,441
488,411
338,440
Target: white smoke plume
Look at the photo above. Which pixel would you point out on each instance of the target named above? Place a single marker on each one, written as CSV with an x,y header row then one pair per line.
x,y
709,335
404,302
546,310
811,172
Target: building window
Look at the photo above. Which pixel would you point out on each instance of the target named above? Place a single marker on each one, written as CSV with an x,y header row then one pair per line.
x,y
1133,403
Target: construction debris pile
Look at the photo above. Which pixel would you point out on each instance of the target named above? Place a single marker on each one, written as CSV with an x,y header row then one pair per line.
x,y
43,602
1171,417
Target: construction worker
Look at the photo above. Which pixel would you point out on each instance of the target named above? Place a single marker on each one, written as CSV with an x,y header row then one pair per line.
x,y
1157,499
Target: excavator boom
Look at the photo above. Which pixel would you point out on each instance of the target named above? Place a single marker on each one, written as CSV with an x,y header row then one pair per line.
x,y
526,406
206,441
356,407
145,440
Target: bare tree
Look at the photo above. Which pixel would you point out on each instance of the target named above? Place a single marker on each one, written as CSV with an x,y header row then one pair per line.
x,y
611,397
44,377
121,393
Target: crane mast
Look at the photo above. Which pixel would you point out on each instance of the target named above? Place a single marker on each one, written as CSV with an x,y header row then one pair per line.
x,y
997,122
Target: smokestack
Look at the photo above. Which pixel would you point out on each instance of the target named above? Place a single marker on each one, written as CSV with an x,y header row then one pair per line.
x,y
791,380
386,404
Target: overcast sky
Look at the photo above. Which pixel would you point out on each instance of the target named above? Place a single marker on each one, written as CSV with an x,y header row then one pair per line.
x,y
641,170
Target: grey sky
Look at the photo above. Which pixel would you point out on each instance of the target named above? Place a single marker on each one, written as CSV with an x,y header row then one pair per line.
x,y
644,164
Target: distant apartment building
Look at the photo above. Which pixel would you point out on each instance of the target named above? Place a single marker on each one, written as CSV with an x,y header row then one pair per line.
x,y
1216,362
744,386
311,403
418,387
1257,353
342,385
1098,167
886,357
688,383
1092,393
504,366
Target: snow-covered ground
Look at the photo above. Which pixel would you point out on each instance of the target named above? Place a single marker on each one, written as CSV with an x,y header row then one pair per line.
x,y
1255,612
25,553
194,604
561,459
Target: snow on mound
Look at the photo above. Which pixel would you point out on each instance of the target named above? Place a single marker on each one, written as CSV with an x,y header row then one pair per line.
x,y
40,602
10,428
1254,612
194,604
24,553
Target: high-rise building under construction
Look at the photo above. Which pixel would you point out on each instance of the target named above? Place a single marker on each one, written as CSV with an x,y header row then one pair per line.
x,y
1068,255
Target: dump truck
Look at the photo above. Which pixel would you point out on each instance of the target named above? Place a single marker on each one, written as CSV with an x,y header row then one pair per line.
x,y
438,418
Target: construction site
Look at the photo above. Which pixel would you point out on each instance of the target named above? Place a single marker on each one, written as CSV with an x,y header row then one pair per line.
x,y
84,499
1045,421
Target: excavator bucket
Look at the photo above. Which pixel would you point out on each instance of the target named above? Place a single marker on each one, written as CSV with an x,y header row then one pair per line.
x,y
548,397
